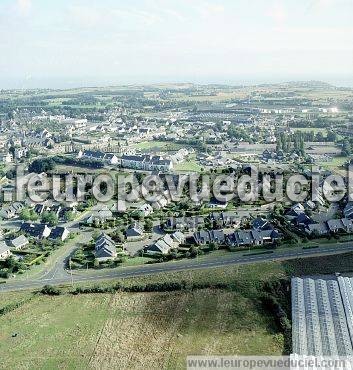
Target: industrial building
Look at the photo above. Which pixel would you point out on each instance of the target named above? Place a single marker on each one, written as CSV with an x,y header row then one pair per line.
x,y
322,316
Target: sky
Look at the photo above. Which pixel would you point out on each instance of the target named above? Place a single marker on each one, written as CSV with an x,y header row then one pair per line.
x,y
71,43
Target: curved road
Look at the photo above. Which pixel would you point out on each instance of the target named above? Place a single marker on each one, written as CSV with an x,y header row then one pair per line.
x,y
64,277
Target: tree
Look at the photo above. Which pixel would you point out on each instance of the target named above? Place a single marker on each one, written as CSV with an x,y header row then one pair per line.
x,y
50,218
331,136
148,225
346,149
41,165
69,216
28,215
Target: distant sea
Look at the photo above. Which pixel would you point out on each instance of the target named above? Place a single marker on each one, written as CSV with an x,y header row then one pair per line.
x,y
68,83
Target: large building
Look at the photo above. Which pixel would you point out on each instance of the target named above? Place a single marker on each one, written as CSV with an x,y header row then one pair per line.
x,y
322,316
146,162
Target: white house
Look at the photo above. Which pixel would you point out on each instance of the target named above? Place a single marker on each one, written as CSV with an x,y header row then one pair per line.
x,y
20,242
146,209
4,251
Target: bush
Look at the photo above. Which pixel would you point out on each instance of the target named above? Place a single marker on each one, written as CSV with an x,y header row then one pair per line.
x,y
50,290
4,275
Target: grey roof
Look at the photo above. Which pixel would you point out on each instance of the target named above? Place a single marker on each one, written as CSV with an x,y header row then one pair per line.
x,y
134,230
320,228
106,244
322,319
3,247
94,154
19,241
334,225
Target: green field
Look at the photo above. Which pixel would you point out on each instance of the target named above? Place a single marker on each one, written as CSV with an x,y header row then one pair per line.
x,y
151,330
311,129
157,145
188,166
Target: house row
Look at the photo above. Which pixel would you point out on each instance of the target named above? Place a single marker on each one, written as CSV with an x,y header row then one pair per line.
x,y
252,237
225,219
164,245
146,162
333,226
98,156
43,231
204,237
57,209
262,232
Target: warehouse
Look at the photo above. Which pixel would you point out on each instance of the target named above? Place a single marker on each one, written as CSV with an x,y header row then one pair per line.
x,y
322,316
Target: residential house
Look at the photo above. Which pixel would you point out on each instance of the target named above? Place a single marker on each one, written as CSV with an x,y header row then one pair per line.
x,y
12,210
224,219
146,209
105,248
100,216
248,238
39,231
134,232
215,203
20,242
260,223
184,223
294,211
4,251
319,229
160,203
164,245
302,220
59,232
178,237
204,237
333,226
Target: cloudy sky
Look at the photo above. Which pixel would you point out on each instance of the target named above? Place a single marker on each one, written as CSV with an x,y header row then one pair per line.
x,y
61,43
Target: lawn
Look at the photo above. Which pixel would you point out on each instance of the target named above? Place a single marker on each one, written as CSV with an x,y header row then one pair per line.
x,y
134,330
188,166
158,145
310,129
139,330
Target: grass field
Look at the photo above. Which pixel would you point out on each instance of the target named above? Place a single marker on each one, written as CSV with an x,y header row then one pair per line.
x,y
188,166
311,129
336,165
130,331
150,330
158,145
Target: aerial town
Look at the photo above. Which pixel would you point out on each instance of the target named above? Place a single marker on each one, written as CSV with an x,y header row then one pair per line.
x,y
175,130
176,185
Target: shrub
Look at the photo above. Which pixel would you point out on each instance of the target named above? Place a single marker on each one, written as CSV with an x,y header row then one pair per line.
x,y
50,290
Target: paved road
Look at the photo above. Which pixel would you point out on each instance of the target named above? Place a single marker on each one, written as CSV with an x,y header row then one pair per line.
x,y
209,262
